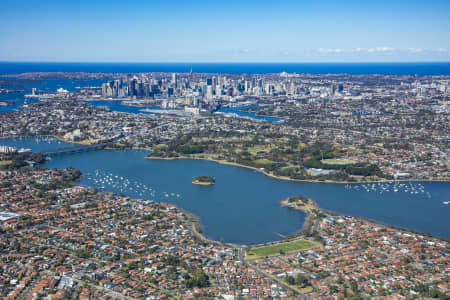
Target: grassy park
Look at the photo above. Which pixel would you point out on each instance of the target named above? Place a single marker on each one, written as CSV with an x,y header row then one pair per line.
x,y
5,162
286,247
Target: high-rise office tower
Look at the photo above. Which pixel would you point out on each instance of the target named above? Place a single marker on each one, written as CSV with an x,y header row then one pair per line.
x,y
132,87
209,92
174,80
332,89
117,86
140,88
104,88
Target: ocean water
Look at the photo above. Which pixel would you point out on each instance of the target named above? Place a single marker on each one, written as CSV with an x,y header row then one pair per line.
x,y
425,68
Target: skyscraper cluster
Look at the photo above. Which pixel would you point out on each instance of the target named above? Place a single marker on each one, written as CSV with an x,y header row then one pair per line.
x,y
113,89
196,90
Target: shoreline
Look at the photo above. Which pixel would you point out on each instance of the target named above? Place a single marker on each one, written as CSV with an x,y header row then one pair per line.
x,y
265,116
316,206
224,162
196,225
201,182
308,209
196,219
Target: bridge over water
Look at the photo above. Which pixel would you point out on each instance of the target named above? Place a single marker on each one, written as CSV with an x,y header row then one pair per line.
x,y
73,149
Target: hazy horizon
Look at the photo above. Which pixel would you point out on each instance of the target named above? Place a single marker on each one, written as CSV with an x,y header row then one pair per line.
x,y
234,31
229,62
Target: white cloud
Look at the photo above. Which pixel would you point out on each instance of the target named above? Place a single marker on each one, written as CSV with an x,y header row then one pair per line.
x,y
415,50
440,50
356,50
373,50
359,50
380,51
331,50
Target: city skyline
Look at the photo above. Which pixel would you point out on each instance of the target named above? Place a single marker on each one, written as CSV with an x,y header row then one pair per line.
x,y
200,31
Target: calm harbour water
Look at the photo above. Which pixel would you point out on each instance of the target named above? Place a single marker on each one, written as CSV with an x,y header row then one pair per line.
x,y
243,206
18,99
237,111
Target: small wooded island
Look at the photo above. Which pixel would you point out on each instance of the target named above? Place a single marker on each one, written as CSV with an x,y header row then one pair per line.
x,y
203,180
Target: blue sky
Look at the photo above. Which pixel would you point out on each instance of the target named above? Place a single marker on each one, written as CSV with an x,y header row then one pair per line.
x,y
224,31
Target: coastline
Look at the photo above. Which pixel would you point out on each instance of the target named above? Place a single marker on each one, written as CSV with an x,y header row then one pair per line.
x,y
281,178
309,209
267,116
224,162
308,214
201,183
196,225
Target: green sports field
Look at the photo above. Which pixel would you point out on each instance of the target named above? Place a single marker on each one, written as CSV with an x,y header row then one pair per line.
x,y
5,162
283,247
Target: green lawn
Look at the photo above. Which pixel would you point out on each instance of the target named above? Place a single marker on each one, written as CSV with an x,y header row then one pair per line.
x,y
205,155
255,150
262,163
84,142
5,162
159,146
301,146
289,167
285,247
306,290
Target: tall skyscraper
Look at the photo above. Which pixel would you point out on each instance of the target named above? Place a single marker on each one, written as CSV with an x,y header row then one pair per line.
x,y
332,89
117,86
174,80
132,87
209,92
104,88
